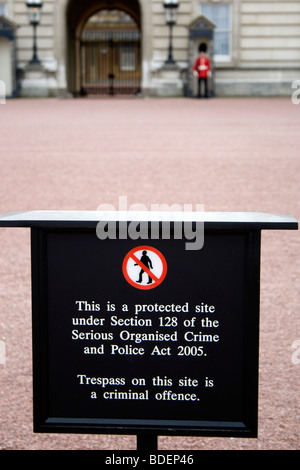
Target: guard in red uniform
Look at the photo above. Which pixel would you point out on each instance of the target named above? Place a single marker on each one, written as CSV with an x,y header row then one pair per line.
x,y
202,70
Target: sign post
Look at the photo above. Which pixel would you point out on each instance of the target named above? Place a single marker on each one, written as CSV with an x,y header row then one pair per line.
x,y
143,336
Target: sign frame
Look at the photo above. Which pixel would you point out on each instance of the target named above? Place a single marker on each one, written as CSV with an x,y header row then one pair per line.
x,y
43,223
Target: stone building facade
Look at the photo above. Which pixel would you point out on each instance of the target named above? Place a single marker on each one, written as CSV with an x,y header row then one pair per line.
x,y
254,46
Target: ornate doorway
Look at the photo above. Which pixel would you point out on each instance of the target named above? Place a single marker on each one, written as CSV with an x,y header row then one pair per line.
x,y
104,44
110,54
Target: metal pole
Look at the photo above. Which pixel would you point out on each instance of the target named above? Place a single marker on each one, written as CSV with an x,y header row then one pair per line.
x,y
34,59
146,442
170,59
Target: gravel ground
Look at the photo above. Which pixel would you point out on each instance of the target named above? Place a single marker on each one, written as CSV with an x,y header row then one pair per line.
x,y
228,154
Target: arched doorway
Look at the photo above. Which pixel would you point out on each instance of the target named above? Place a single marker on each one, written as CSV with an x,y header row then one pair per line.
x,y
104,47
110,54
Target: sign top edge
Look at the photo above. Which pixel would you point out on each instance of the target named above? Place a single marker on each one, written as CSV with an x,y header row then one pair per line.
x,y
79,218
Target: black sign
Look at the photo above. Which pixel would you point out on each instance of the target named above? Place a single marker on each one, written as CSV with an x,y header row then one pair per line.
x,y
144,335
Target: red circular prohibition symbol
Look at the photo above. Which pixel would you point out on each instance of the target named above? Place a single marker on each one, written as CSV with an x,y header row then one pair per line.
x,y
144,267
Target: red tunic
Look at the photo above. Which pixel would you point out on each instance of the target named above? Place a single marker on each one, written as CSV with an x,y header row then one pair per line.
x,y
202,66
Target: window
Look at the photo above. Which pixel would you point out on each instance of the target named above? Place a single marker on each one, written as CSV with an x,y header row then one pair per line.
x,y
220,15
3,9
127,57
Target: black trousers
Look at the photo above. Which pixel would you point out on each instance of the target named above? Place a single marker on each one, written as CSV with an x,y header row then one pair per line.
x,y
204,80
